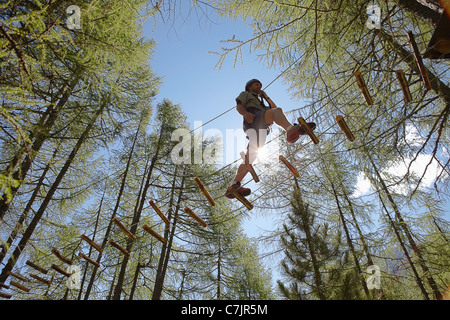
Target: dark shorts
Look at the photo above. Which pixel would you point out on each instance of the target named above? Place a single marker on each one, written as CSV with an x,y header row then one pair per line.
x,y
259,126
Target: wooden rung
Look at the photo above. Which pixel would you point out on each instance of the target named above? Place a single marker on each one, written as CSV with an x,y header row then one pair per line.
x,y
17,276
153,233
290,166
205,192
344,127
61,257
47,282
125,230
404,85
250,168
88,259
242,199
2,285
92,243
419,61
60,270
362,85
5,295
20,286
308,130
120,248
35,266
195,217
159,212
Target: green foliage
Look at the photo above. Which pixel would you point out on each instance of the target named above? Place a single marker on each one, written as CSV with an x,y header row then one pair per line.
x,y
318,46
82,143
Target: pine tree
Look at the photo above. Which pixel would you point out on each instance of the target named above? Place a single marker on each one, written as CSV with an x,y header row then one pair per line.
x,y
319,46
309,254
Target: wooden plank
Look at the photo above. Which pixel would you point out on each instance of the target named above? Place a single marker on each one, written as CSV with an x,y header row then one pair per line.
x,y
17,276
20,286
124,229
92,243
362,85
289,166
36,267
419,61
240,198
344,127
308,130
88,259
159,212
439,45
60,270
195,217
205,192
2,285
61,257
5,295
47,282
404,85
120,248
154,233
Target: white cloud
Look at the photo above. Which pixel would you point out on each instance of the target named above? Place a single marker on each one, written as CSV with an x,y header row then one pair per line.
x,y
363,186
424,163
395,173
413,137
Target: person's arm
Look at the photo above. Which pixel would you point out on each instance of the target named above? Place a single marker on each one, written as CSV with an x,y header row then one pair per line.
x,y
248,116
269,101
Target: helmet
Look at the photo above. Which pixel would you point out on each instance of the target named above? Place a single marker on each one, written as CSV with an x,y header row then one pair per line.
x,y
250,82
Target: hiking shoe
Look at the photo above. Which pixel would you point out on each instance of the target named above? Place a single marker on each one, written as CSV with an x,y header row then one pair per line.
x,y
296,131
241,190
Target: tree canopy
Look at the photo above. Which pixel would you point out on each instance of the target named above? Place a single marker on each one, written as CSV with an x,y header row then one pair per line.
x,y
95,203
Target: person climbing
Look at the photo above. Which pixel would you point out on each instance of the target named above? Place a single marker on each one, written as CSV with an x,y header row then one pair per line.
x,y
256,124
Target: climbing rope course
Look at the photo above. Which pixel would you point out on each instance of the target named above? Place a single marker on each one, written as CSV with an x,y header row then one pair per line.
x,y
344,124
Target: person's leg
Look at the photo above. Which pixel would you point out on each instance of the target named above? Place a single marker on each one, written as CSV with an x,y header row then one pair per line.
x,y
240,173
251,154
255,140
293,131
277,115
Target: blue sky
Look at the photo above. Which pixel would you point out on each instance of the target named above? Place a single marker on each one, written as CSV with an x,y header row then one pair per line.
x,y
183,58
190,78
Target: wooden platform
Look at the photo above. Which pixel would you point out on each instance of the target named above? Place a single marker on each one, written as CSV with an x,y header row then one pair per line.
x,y
439,45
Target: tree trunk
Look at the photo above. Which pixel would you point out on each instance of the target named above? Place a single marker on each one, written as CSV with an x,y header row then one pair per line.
x,y
427,11
219,271
407,232
349,241
405,251
310,245
135,280
42,129
24,215
136,217
99,212
37,217
360,234
166,249
116,207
